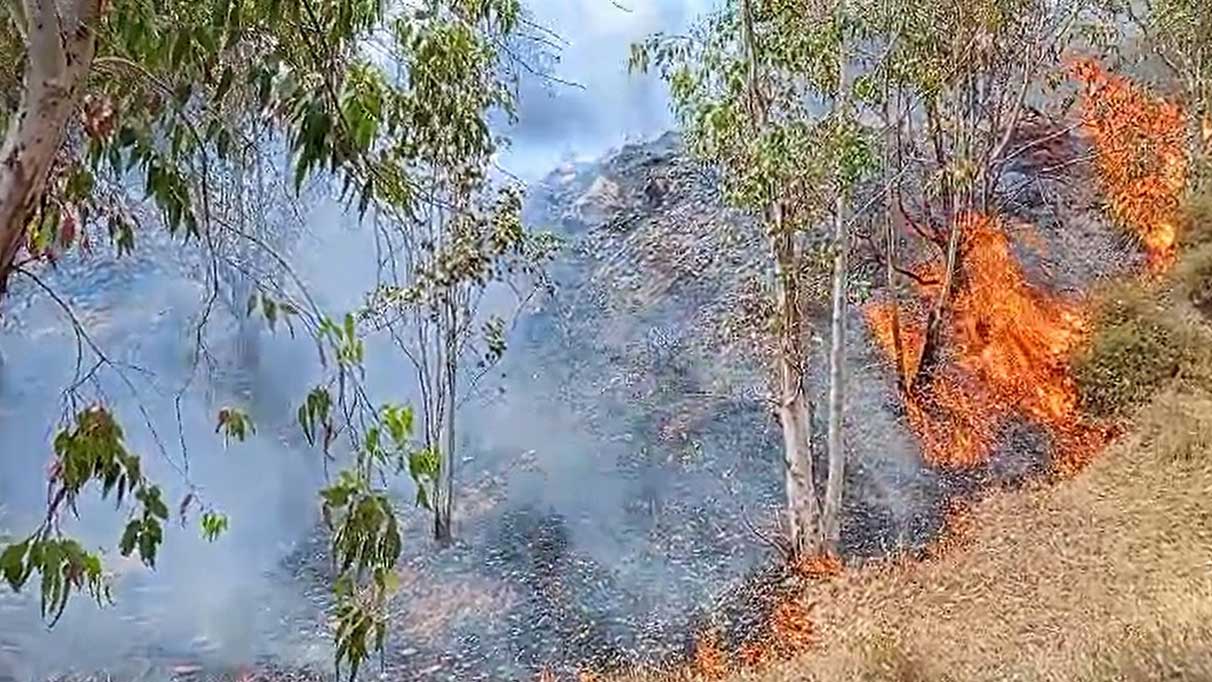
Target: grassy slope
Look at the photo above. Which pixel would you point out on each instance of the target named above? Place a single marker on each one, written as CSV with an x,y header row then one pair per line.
x,y
1107,576
1104,577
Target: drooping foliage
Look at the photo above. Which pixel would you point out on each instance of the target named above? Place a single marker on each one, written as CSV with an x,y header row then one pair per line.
x,y
391,101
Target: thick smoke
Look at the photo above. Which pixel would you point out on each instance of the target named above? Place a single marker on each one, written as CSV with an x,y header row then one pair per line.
x,y
201,594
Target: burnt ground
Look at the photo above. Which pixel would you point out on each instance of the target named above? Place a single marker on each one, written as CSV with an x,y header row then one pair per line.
x,y
613,483
618,527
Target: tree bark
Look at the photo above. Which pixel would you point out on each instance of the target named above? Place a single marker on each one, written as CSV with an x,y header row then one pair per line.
x,y
803,522
60,55
831,514
803,516
932,344
444,506
893,201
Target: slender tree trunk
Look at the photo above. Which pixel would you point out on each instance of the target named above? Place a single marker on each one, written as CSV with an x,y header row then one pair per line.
x,y
803,516
957,198
444,505
892,201
898,344
932,344
60,56
831,515
803,522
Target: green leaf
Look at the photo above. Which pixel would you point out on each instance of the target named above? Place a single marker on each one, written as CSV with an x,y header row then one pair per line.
x,y
181,47
130,537
270,309
234,424
12,565
213,525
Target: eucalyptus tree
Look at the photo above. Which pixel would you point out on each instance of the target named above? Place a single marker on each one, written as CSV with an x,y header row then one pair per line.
x,y
463,241
761,89
389,99
431,304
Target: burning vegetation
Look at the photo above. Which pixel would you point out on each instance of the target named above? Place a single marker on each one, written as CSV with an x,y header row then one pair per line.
x,y
1008,341
787,632
1141,156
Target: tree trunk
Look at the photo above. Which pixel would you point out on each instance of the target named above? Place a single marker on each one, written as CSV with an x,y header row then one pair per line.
x,y
831,513
892,202
60,56
831,516
933,342
803,525
444,505
803,516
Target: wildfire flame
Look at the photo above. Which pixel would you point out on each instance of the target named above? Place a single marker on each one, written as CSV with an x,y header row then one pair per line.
x,y
1009,345
1141,156
788,631
791,628
710,659
819,566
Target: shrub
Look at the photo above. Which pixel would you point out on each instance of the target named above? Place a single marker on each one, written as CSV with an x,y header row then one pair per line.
x,y
1194,279
1196,227
1135,348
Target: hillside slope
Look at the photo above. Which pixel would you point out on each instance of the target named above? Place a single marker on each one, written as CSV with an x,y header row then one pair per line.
x,y
1107,576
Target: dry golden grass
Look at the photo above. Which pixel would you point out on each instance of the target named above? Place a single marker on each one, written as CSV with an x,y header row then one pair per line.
x,y
1104,577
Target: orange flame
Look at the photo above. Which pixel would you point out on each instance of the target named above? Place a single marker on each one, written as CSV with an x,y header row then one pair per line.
x,y
754,655
1141,156
1010,344
710,659
819,566
788,633
791,628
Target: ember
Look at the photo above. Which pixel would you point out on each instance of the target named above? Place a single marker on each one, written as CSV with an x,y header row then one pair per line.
x,y
819,566
791,628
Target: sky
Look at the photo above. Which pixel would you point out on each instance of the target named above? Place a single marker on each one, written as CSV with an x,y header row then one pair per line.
x,y
612,107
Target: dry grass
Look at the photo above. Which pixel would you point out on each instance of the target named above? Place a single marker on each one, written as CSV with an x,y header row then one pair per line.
x,y
1104,577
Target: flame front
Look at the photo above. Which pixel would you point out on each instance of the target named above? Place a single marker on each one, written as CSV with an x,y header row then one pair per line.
x,y
1141,156
1008,348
